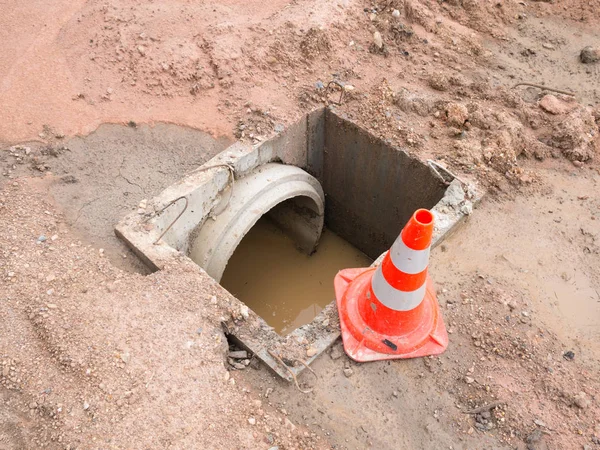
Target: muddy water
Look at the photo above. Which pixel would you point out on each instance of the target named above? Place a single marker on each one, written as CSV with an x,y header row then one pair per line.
x,y
283,285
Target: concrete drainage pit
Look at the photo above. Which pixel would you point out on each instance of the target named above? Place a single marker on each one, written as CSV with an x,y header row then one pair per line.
x,y
274,222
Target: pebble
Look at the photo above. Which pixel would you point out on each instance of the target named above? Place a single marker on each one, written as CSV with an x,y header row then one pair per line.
x,y
377,39
548,46
348,372
581,400
319,85
86,406
590,54
396,13
553,105
50,278
569,355
252,421
467,209
42,238
51,306
311,352
244,311
238,354
336,353
469,380
141,50
539,423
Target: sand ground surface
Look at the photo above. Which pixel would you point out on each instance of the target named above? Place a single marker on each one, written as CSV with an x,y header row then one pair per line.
x,y
104,104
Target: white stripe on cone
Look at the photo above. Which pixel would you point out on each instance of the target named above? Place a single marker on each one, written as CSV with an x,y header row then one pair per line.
x,y
392,297
408,260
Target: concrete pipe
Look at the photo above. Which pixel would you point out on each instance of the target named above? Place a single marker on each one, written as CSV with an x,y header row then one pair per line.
x,y
292,198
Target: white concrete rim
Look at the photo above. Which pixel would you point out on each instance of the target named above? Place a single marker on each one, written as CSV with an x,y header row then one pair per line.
x,y
253,196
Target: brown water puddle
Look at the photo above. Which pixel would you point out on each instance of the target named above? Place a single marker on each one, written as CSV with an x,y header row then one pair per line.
x,y
281,284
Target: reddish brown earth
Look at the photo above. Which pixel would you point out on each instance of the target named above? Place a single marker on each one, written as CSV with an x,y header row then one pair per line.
x,y
96,355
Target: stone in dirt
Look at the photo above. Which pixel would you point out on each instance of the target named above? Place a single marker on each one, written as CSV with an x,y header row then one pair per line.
x,y
239,354
457,114
348,372
553,105
581,400
590,55
377,39
336,353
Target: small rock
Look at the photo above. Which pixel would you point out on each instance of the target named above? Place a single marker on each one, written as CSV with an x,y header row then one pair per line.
x,y
467,209
457,114
279,128
289,424
578,164
86,406
50,278
252,421
534,437
244,311
33,405
395,394
143,204
336,353
440,82
590,55
396,13
569,355
469,380
51,306
141,50
378,40
42,238
239,366
539,423
348,372
553,105
311,352
548,46
581,400
239,354
319,85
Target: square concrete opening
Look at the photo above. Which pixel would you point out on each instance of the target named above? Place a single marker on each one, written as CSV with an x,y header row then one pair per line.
x,y
323,169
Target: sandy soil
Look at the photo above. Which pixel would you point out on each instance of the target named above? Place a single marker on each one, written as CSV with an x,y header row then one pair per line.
x,y
96,355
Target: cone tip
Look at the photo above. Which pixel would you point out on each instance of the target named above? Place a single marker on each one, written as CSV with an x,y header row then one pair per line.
x,y
423,217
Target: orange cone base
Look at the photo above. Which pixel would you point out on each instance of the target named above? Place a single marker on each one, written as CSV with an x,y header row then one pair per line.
x,y
426,337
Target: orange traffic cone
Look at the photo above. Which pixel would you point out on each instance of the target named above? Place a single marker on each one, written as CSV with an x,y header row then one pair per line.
x,y
391,312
